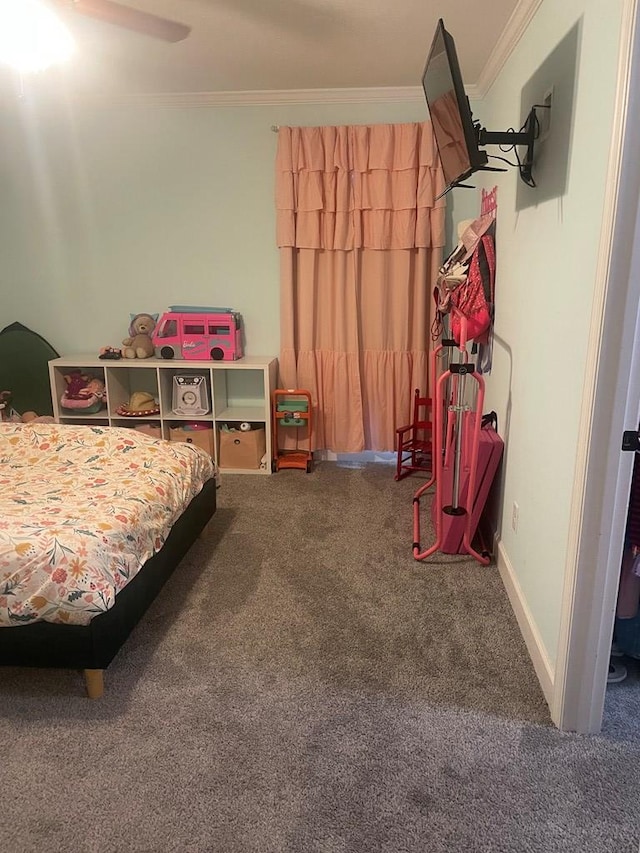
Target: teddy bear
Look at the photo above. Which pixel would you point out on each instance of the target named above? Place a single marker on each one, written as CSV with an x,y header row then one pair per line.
x,y
139,343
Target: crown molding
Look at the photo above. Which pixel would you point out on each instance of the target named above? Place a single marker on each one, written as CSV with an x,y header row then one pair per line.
x,y
517,24
388,94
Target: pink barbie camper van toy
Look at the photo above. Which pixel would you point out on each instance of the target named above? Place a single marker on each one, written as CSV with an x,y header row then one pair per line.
x,y
199,333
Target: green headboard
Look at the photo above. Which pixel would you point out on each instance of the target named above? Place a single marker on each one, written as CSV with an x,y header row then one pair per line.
x,y
24,370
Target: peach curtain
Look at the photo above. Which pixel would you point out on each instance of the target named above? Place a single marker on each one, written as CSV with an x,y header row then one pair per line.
x,y
360,237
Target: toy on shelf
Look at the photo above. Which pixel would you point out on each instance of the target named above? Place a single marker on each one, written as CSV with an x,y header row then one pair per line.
x,y
291,408
199,332
110,353
141,405
139,343
190,395
84,394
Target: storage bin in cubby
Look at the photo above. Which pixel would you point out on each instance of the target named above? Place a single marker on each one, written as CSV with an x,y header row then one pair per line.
x,y
152,430
199,434
239,449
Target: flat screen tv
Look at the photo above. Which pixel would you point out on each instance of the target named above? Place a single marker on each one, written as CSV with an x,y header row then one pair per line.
x,y
450,111
457,136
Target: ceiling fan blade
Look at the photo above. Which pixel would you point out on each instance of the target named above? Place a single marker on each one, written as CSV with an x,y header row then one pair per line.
x,y
132,19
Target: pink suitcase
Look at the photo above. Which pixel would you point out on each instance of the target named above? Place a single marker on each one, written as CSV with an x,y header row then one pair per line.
x,y
490,451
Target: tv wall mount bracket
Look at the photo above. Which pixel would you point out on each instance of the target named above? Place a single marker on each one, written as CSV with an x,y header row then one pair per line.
x,y
526,137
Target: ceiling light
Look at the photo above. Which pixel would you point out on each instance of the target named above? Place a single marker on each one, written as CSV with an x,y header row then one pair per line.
x,y
31,37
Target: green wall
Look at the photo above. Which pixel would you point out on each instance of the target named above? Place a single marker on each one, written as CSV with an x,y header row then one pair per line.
x,y
547,248
113,211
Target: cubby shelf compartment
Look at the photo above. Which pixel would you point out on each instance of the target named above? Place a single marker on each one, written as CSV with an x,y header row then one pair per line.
x,y
238,391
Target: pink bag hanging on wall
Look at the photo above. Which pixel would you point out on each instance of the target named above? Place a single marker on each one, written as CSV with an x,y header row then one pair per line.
x,y
474,298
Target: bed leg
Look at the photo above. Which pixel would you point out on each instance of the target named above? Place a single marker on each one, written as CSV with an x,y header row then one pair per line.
x,y
94,682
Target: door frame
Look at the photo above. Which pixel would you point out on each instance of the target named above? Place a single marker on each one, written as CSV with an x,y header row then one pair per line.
x,y
611,404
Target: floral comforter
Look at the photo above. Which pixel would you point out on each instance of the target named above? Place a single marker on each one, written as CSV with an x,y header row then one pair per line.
x,y
81,510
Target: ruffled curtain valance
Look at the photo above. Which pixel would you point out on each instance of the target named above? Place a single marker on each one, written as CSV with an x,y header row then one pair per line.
x,y
358,186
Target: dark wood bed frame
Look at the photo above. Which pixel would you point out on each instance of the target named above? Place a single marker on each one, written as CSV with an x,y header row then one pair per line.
x,y
92,647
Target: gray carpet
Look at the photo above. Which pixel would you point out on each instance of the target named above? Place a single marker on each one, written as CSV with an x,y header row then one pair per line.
x,y
303,685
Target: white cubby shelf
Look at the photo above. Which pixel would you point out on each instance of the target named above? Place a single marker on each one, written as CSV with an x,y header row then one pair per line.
x,y
238,391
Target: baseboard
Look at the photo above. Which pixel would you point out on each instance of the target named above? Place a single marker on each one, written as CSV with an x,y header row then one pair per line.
x,y
528,628
358,459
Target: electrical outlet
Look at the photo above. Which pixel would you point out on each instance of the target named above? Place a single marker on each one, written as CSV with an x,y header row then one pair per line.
x,y
515,513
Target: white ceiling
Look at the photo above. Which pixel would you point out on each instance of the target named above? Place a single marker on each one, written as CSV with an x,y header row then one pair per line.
x,y
266,45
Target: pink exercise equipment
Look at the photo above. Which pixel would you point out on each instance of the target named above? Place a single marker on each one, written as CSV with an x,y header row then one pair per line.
x,y
466,456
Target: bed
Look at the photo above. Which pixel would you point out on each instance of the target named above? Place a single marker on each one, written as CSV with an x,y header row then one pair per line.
x,y
93,520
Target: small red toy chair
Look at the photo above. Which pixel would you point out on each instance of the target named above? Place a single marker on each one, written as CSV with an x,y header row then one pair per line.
x,y
415,446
